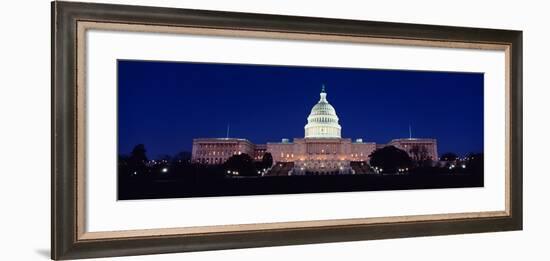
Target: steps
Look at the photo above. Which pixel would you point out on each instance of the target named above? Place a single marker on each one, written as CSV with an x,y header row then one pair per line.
x,y
281,169
360,167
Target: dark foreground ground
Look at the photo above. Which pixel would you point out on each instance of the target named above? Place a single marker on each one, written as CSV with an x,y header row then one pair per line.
x,y
155,188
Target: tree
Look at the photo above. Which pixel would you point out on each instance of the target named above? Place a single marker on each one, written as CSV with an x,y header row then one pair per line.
x,y
267,160
474,162
449,156
123,159
138,153
390,159
181,167
182,157
123,171
165,157
137,160
242,165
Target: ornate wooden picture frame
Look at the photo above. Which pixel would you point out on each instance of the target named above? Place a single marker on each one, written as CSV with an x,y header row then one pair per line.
x,y
69,24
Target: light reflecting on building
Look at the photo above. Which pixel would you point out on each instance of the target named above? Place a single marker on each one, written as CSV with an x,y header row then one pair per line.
x,y
321,151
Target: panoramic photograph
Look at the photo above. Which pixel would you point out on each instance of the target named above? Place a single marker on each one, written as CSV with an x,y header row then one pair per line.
x,y
188,129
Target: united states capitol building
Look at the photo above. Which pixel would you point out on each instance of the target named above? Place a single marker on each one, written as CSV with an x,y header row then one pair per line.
x,y
322,150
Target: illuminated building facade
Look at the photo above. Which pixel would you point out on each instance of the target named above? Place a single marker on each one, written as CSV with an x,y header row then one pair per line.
x,y
321,151
218,150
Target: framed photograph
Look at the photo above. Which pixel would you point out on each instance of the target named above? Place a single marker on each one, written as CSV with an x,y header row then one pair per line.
x,y
179,130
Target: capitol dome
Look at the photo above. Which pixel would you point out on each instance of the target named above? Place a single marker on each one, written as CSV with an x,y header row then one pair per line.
x,y
322,122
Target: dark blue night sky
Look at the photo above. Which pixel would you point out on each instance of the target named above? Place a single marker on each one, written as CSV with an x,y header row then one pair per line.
x,y
164,105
